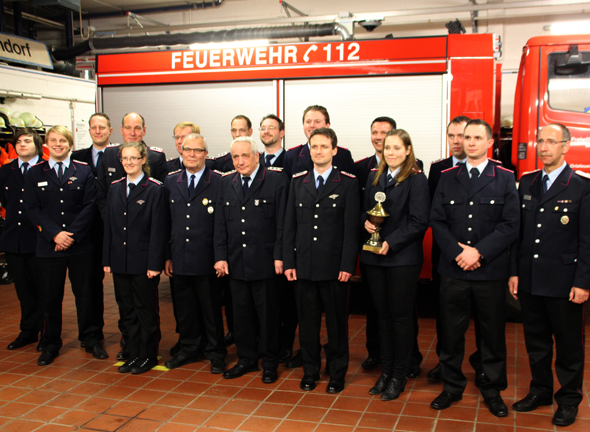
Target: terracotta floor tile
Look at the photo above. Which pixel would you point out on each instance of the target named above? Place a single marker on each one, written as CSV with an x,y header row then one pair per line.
x,y
117,392
177,427
191,416
60,385
307,414
285,397
175,400
334,428
225,421
8,378
135,381
253,394
97,404
222,391
140,425
350,404
146,396
487,427
44,413
259,424
192,388
162,384
16,409
458,413
159,413
340,417
453,426
12,393
208,403
415,424
76,418
295,426
55,428
105,422
419,410
21,426
106,378
207,377
385,407
33,382
238,406
127,409
79,375
88,389
38,397
485,416
375,420
273,410
316,400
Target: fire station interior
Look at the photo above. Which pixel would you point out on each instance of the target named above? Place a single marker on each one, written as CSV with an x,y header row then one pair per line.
x,y
78,392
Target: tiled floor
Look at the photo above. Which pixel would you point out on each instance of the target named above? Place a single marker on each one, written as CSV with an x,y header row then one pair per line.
x,y
78,392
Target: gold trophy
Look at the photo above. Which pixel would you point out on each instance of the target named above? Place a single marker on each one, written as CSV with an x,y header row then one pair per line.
x,y
376,216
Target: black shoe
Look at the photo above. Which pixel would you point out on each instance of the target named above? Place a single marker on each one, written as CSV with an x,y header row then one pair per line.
x,y
371,362
123,354
229,339
380,384
217,366
308,382
496,405
97,352
295,361
269,375
394,389
122,342
179,360
142,366
47,357
39,347
413,371
530,403
19,343
285,355
481,379
444,400
239,370
175,349
335,386
126,367
565,415
435,374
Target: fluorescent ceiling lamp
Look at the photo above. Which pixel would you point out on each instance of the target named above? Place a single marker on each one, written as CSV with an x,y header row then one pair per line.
x,y
236,44
574,27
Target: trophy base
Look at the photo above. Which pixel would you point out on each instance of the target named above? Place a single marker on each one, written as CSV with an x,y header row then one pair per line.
x,y
370,248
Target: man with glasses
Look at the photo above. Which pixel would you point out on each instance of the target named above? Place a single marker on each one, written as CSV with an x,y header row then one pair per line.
x,y
272,132
550,268
192,197
181,131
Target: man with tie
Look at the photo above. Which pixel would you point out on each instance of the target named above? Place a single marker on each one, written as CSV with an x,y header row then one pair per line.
x,y
272,132
192,197
248,247
181,131
475,215
241,126
320,251
60,199
550,268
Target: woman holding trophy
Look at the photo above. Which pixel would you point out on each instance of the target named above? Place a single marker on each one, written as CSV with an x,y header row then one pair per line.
x,y
397,208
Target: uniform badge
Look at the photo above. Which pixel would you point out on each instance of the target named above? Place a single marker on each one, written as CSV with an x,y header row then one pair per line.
x,y
39,228
256,202
205,201
140,202
333,196
528,197
210,209
73,179
556,208
40,184
564,220
111,169
564,201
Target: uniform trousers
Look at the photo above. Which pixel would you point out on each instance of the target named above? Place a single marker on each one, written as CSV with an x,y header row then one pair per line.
x,y
256,304
288,313
544,318
227,302
333,295
79,269
489,298
198,315
394,294
29,290
139,302
372,326
97,283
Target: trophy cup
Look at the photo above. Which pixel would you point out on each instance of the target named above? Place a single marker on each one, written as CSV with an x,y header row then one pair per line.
x,y
376,216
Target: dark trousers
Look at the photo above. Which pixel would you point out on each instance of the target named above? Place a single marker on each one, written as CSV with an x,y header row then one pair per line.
x,y
394,293
227,302
198,315
372,326
489,298
79,268
545,318
29,290
97,287
288,313
139,303
334,297
256,307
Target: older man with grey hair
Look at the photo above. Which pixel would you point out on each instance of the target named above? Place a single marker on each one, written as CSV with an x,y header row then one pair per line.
x,y
248,247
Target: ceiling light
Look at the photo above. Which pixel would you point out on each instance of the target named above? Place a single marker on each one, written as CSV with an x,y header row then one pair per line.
x,y
575,27
236,44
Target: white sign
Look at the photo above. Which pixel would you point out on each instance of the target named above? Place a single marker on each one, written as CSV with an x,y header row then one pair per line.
x,y
17,49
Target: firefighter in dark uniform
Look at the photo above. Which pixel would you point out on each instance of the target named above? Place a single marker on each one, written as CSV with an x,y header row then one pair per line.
x,y
181,131
298,158
60,200
475,216
551,275
192,197
100,131
19,238
393,271
248,246
321,250
136,235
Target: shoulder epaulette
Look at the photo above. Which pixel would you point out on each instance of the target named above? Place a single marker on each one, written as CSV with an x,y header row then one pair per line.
x,y
299,174
273,168
448,169
496,161
374,169
220,155
79,162
117,181
157,149
297,146
343,148
348,174
583,174
363,159
170,159
40,162
218,172
531,172
228,173
416,170
156,181
174,172
113,145
437,161
505,169
210,157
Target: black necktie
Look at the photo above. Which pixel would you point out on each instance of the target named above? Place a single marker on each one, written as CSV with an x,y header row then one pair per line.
x,y
60,171
25,167
99,158
245,185
474,175
320,184
460,163
268,159
389,178
545,183
131,187
191,186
